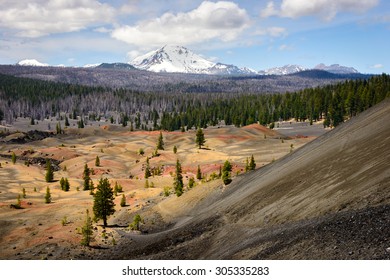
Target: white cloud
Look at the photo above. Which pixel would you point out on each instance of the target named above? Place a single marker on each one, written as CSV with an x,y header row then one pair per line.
x,y
285,47
222,21
325,9
35,18
377,66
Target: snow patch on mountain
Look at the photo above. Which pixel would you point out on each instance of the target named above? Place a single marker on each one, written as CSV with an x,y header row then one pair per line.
x,y
284,70
336,69
31,62
178,59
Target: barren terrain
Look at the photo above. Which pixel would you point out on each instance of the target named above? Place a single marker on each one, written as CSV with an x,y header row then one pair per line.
x,y
52,231
326,198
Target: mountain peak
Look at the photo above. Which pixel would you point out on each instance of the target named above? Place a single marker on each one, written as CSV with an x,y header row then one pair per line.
x,y
179,59
31,62
173,59
284,70
336,69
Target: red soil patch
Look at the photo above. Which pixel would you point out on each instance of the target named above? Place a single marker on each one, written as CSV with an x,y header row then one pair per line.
x,y
260,128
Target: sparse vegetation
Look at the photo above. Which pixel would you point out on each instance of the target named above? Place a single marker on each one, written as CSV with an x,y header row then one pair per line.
x,y
135,225
13,158
87,230
49,172
48,196
97,161
86,177
200,139
178,180
226,173
123,201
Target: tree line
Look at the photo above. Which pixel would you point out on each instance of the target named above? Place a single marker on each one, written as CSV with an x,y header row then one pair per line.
x,y
23,97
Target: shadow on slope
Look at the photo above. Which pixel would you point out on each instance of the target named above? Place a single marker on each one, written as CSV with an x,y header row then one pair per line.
x,y
328,200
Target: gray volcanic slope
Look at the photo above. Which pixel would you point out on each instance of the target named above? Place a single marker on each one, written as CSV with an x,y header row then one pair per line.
x,y
328,200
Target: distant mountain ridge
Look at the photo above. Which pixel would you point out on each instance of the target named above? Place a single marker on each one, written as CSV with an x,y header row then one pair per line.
x,y
179,59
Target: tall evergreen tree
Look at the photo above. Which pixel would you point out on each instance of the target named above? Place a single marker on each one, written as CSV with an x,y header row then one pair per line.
x,y
226,173
147,169
200,139
178,180
252,163
160,142
67,121
97,161
103,204
87,230
13,158
47,196
199,173
86,177
49,172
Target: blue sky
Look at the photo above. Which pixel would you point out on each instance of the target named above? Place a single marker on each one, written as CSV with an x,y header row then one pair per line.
x,y
255,34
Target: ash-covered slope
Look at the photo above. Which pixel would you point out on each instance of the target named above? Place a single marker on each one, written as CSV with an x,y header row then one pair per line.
x,y
328,200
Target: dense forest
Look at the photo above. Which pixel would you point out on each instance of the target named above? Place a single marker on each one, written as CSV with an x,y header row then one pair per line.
x,y
37,99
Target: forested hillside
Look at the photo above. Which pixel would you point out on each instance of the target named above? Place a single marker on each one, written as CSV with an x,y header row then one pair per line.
x,y
23,97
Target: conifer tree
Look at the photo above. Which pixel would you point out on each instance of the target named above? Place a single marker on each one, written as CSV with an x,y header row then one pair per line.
x,y
252,163
147,169
103,204
67,121
62,183
174,149
87,230
66,185
97,161
200,139
178,180
86,177
160,142
13,158
123,200
47,196
49,172
226,173
199,173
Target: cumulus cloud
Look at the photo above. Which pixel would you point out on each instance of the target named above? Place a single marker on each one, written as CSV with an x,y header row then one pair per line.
x,y
222,20
325,9
35,18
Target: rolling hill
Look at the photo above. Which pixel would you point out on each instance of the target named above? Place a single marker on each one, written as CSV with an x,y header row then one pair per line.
x,y
327,200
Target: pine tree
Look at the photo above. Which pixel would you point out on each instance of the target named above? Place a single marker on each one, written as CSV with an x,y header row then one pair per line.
x,y
174,149
86,177
136,221
47,196
147,169
191,182
49,172
103,204
252,163
13,158
226,170
160,142
62,183
66,185
123,200
200,139
58,128
87,230
67,121
97,161
24,193
199,173
178,180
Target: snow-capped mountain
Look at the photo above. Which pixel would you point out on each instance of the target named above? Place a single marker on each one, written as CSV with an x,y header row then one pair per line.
x,y
178,59
284,70
31,62
336,69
